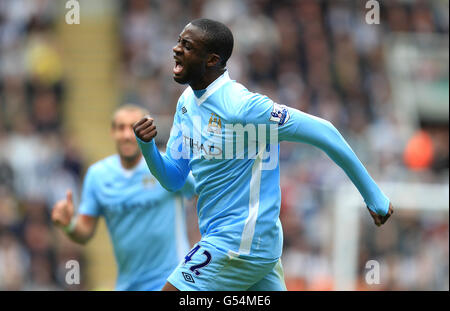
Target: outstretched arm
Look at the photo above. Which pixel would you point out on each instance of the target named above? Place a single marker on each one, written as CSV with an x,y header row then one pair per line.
x,y
294,125
323,135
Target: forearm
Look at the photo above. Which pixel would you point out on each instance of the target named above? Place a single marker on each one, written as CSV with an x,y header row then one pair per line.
x,y
324,135
79,232
169,174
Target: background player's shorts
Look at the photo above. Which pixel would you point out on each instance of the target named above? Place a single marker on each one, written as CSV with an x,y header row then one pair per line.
x,y
207,268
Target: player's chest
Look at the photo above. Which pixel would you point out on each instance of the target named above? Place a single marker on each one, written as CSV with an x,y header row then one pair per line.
x,y
134,191
210,134
203,131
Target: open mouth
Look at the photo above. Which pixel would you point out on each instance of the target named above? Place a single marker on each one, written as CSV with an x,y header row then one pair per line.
x,y
178,68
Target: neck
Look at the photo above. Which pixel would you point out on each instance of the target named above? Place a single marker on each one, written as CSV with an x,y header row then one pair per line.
x,y
129,163
208,78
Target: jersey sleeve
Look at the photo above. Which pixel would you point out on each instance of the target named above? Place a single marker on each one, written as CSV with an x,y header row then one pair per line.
x,y
172,168
89,204
261,110
294,125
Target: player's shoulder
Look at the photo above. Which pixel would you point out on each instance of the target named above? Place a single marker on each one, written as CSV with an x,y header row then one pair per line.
x,y
235,89
243,95
246,101
234,96
184,99
104,166
185,96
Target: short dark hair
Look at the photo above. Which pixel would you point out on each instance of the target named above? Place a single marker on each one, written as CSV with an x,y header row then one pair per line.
x,y
218,38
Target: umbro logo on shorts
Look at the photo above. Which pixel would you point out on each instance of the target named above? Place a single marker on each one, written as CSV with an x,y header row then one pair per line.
x,y
188,277
183,110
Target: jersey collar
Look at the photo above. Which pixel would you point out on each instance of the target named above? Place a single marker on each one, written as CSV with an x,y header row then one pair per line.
x,y
130,172
214,86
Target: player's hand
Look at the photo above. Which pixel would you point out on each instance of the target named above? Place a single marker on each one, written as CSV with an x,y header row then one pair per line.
x,y
378,219
62,212
145,129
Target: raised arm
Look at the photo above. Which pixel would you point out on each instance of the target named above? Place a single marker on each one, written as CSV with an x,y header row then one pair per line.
x,y
79,228
170,171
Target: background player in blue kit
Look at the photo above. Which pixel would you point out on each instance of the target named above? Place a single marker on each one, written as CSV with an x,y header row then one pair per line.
x,y
239,191
146,223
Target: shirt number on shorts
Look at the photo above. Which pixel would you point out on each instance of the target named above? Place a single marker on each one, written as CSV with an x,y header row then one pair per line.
x,y
195,268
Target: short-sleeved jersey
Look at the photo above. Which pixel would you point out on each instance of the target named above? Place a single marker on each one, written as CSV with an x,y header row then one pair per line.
x,y
146,223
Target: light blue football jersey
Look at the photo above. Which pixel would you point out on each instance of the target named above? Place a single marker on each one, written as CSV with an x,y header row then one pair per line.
x,y
237,171
146,223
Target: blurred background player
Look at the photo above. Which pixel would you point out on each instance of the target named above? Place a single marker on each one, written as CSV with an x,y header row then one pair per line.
x,y
146,223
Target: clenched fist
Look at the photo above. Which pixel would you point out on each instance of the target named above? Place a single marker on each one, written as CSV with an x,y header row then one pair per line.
x,y
62,212
145,129
378,219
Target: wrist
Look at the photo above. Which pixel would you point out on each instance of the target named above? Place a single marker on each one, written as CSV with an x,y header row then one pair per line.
x,y
141,141
71,226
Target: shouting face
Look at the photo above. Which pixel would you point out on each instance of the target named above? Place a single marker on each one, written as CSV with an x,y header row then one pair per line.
x,y
191,56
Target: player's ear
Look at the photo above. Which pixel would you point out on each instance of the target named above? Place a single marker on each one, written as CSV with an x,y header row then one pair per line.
x,y
213,60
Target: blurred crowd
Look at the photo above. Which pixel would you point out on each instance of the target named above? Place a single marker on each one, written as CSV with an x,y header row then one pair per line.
x,y
38,160
317,56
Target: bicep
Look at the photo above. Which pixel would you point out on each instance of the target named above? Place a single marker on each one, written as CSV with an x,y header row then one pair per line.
x,y
306,128
288,124
266,114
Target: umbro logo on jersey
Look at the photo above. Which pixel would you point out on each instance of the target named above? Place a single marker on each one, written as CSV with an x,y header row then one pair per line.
x,y
188,277
183,110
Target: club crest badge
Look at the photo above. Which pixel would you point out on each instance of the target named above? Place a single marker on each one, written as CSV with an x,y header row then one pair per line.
x,y
148,182
215,124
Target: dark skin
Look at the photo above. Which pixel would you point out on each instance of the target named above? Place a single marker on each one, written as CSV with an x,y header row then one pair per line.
x,y
380,220
199,68
196,66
